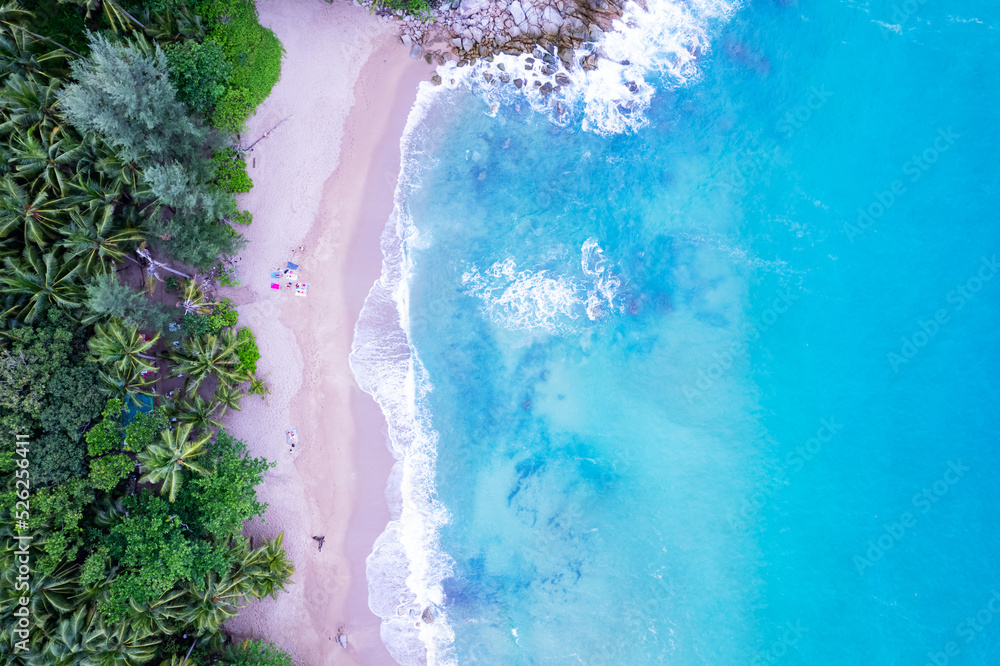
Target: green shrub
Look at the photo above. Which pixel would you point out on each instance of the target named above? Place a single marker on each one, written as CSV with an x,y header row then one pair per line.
x,y
247,350
254,53
106,472
415,7
255,653
243,217
231,171
95,566
106,435
200,73
144,429
232,111
224,315
195,325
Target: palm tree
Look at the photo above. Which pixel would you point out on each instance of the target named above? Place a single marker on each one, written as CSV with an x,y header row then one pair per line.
x,y
19,54
126,384
212,601
165,462
121,347
35,215
30,104
110,163
194,300
268,569
83,638
96,241
94,191
198,412
114,11
160,616
39,281
228,396
73,639
49,162
206,355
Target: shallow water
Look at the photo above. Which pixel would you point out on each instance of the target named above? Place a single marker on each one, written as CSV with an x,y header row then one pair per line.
x,y
715,384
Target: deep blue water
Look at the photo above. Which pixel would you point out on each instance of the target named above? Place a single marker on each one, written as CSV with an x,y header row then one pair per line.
x,y
722,389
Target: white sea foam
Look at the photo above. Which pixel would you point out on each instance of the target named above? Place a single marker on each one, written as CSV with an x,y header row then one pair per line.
x,y
530,300
523,299
660,41
406,566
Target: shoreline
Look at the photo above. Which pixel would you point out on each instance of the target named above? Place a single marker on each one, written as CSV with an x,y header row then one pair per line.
x,y
329,191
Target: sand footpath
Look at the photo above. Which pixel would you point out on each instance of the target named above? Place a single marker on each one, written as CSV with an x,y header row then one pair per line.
x,y
323,182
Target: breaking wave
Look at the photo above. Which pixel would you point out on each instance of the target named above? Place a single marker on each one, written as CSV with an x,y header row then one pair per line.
x,y
529,300
655,45
406,566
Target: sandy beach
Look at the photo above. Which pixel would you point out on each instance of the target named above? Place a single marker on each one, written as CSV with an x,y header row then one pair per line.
x,y
323,184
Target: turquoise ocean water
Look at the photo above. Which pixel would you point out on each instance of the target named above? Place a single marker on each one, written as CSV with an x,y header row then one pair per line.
x,y
704,369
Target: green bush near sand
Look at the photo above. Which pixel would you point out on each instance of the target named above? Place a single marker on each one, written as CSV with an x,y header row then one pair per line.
x,y
231,171
254,54
415,7
200,73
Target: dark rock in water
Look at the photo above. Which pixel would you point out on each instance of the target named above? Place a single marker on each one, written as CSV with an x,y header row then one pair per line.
x,y
538,83
502,67
529,60
416,50
436,80
505,78
625,63
529,67
548,70
562,79
549,58
428,57
624,110
547,88
427,616
526,405
518,83
560,108
590,62
632,87
488,77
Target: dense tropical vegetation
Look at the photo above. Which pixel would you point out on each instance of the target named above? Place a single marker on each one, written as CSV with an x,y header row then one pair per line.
x,y
117,124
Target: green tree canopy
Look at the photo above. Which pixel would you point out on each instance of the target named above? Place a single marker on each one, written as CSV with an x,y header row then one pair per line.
x,y
123,92
226,497
47,391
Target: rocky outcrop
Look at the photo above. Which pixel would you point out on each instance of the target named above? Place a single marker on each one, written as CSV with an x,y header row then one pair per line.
x,y
467,30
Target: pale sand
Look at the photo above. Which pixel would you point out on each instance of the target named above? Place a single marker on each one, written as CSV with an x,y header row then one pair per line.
x,y
324,180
